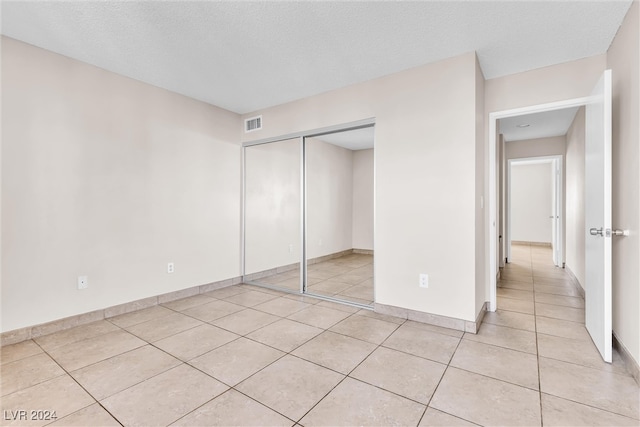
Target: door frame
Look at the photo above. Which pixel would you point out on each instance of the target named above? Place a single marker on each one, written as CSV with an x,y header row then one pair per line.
x,y
490,226
556,160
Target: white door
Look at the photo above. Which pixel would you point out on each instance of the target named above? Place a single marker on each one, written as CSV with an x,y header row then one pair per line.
x,y
598,216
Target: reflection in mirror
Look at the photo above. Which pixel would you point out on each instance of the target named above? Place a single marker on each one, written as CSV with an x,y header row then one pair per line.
x,y
272,214
339,232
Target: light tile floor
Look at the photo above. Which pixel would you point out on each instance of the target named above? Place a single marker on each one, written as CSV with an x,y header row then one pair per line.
x,y
348,278
251,356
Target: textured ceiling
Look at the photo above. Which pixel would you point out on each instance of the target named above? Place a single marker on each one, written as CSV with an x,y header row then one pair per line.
x,y
541,125
245,56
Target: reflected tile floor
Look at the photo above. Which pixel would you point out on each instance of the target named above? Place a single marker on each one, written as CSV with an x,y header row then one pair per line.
x,y
250,356
348,278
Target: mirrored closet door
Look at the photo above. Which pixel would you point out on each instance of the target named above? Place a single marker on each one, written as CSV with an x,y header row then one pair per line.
x,y
339,220
272,214
308,214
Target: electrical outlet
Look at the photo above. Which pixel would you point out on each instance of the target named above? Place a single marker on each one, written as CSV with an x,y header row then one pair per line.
x,y
290,248
83,282
424,280
170,267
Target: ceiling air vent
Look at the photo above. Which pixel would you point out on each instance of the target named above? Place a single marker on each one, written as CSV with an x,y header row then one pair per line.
x,y
253,123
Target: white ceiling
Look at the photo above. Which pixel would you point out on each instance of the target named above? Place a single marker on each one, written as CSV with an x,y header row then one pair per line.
x,y
244,56
541,125
358,139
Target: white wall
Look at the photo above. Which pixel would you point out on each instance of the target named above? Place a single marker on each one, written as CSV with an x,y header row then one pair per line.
x,y
329,198
272,205
575,230
623,58
111,178
531,196
363,181
425,118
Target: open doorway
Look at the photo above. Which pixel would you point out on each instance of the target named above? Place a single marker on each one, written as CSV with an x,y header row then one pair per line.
x,y
534,204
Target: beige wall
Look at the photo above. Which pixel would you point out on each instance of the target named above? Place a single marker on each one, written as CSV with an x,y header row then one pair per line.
x,y
531,194
272,205
107,177
425,136
329,198
623,58
574,190
540,147
363,187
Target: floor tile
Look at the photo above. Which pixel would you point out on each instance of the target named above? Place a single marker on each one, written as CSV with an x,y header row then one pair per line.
x,y
61,394
520,286
592,387
195,342
282,307
83,353
423,343
115,374
385,317
412,377
359,291
515,294
291,386
320,317
557,290
355,403
189,302
334,351
435,418
13,352
562,328
250,298
245,321
225,292
434,328
574,302
561,413
76,334
157,329
517,305
213,310
365,328
511,319
475,397
580,352
140,316
337,306
93,415
329,287
559,312
28,372
234,362
497,362
515,339
284,334
165,397
233,409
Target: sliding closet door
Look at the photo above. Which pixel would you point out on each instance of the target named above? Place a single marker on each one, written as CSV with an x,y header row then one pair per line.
x,y
273,220
337,267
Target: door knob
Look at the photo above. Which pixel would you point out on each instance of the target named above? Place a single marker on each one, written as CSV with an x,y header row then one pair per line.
x,y
595,231
617,232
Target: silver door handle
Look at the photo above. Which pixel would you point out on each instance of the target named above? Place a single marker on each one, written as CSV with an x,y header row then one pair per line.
x,y
595,231
617,232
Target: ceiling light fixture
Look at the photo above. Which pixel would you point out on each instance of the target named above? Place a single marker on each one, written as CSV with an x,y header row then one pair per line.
x,y
523,125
